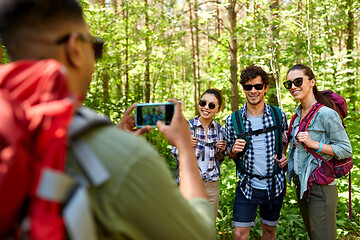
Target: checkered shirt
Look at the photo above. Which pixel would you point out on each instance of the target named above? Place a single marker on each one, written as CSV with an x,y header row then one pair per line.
x,y
248,158
212,173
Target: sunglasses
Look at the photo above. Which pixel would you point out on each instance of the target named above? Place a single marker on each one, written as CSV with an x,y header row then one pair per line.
x,y
297,82
98,43
249,87
202,103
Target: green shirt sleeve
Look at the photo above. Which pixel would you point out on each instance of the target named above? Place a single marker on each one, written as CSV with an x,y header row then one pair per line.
x,y
141,200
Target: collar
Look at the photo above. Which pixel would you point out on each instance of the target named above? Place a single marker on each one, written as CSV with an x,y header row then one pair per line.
x,y
197,122
299,108
267,110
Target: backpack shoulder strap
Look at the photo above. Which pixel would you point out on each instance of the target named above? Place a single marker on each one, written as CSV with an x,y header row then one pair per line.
x,y
277,118
292,123
304,123
218,131
239,127
192,128
238,124
84,121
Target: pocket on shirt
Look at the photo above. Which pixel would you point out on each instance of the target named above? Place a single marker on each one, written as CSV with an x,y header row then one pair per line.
x,y
317,134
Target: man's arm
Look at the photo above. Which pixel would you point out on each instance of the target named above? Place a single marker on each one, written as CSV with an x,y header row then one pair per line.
x,y
178,135
233,145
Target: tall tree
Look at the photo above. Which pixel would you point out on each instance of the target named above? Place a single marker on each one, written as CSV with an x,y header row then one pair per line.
x,y
125,12
349,51
309,34
233,56
193,58
274,47
208,63
198,90
298,40
147,55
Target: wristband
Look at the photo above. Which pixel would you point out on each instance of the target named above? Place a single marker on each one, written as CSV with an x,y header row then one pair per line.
x,y
320,147
231,149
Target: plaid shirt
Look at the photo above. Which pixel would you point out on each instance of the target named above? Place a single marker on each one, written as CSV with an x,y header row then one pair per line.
x,y
212,173
248,157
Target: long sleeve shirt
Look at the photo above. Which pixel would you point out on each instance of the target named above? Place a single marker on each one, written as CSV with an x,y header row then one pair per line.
x,y
326,126
212,173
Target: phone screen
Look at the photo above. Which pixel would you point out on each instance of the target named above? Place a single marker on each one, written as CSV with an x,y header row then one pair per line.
x,y
150,113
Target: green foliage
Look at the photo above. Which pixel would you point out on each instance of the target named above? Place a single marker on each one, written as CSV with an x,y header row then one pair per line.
x,y
309,32
291,224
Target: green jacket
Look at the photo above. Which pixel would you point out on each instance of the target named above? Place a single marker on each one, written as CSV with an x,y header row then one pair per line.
x,y
140,200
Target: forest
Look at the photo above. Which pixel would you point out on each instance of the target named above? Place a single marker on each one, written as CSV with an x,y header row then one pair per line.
x,y
157,49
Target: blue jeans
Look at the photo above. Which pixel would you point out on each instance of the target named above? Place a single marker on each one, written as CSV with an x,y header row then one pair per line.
x,y
245,210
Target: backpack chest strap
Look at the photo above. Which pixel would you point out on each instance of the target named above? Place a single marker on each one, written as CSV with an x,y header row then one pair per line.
x,y
207,144
259,131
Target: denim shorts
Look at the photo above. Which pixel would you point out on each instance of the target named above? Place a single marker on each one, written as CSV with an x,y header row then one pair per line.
x,y
245,210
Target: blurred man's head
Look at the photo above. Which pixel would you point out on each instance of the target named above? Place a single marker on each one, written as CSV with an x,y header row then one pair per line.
x,y
40,29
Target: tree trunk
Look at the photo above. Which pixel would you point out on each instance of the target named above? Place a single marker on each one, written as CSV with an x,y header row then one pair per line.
x,y
349,51
233,57
208,82
274,46
197,51
114,3
298,33
126,71
218,17
184,73
193,58
106,95
308,32
147,56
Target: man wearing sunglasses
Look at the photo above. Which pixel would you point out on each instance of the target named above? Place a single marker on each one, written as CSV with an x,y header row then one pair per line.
x,y
261,179
128,186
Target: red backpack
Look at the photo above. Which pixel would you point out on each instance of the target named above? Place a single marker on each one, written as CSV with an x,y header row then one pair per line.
x,y
327,171
36,112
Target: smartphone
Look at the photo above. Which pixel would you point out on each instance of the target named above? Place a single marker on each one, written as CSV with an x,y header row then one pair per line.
x,y
150,113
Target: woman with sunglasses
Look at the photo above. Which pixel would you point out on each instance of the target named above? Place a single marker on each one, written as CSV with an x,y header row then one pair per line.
x,y
327,136
207,139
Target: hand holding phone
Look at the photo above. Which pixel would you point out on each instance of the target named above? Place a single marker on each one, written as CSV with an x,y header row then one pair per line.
x,y
127,122
177,133
150,113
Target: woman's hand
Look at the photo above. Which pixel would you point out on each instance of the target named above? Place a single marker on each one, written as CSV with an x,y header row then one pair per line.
x,y
221,145
194,141
305,138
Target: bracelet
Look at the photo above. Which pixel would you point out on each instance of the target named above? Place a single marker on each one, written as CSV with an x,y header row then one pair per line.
x,y
320,147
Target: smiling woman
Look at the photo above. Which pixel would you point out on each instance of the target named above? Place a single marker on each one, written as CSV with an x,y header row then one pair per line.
x,y
326,135
207,139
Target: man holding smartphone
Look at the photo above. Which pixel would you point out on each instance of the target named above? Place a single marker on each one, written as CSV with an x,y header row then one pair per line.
x,y
139,199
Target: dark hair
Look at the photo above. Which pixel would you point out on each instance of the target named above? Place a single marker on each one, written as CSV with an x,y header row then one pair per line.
x,y
319,96
252,72
216,93
18,17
